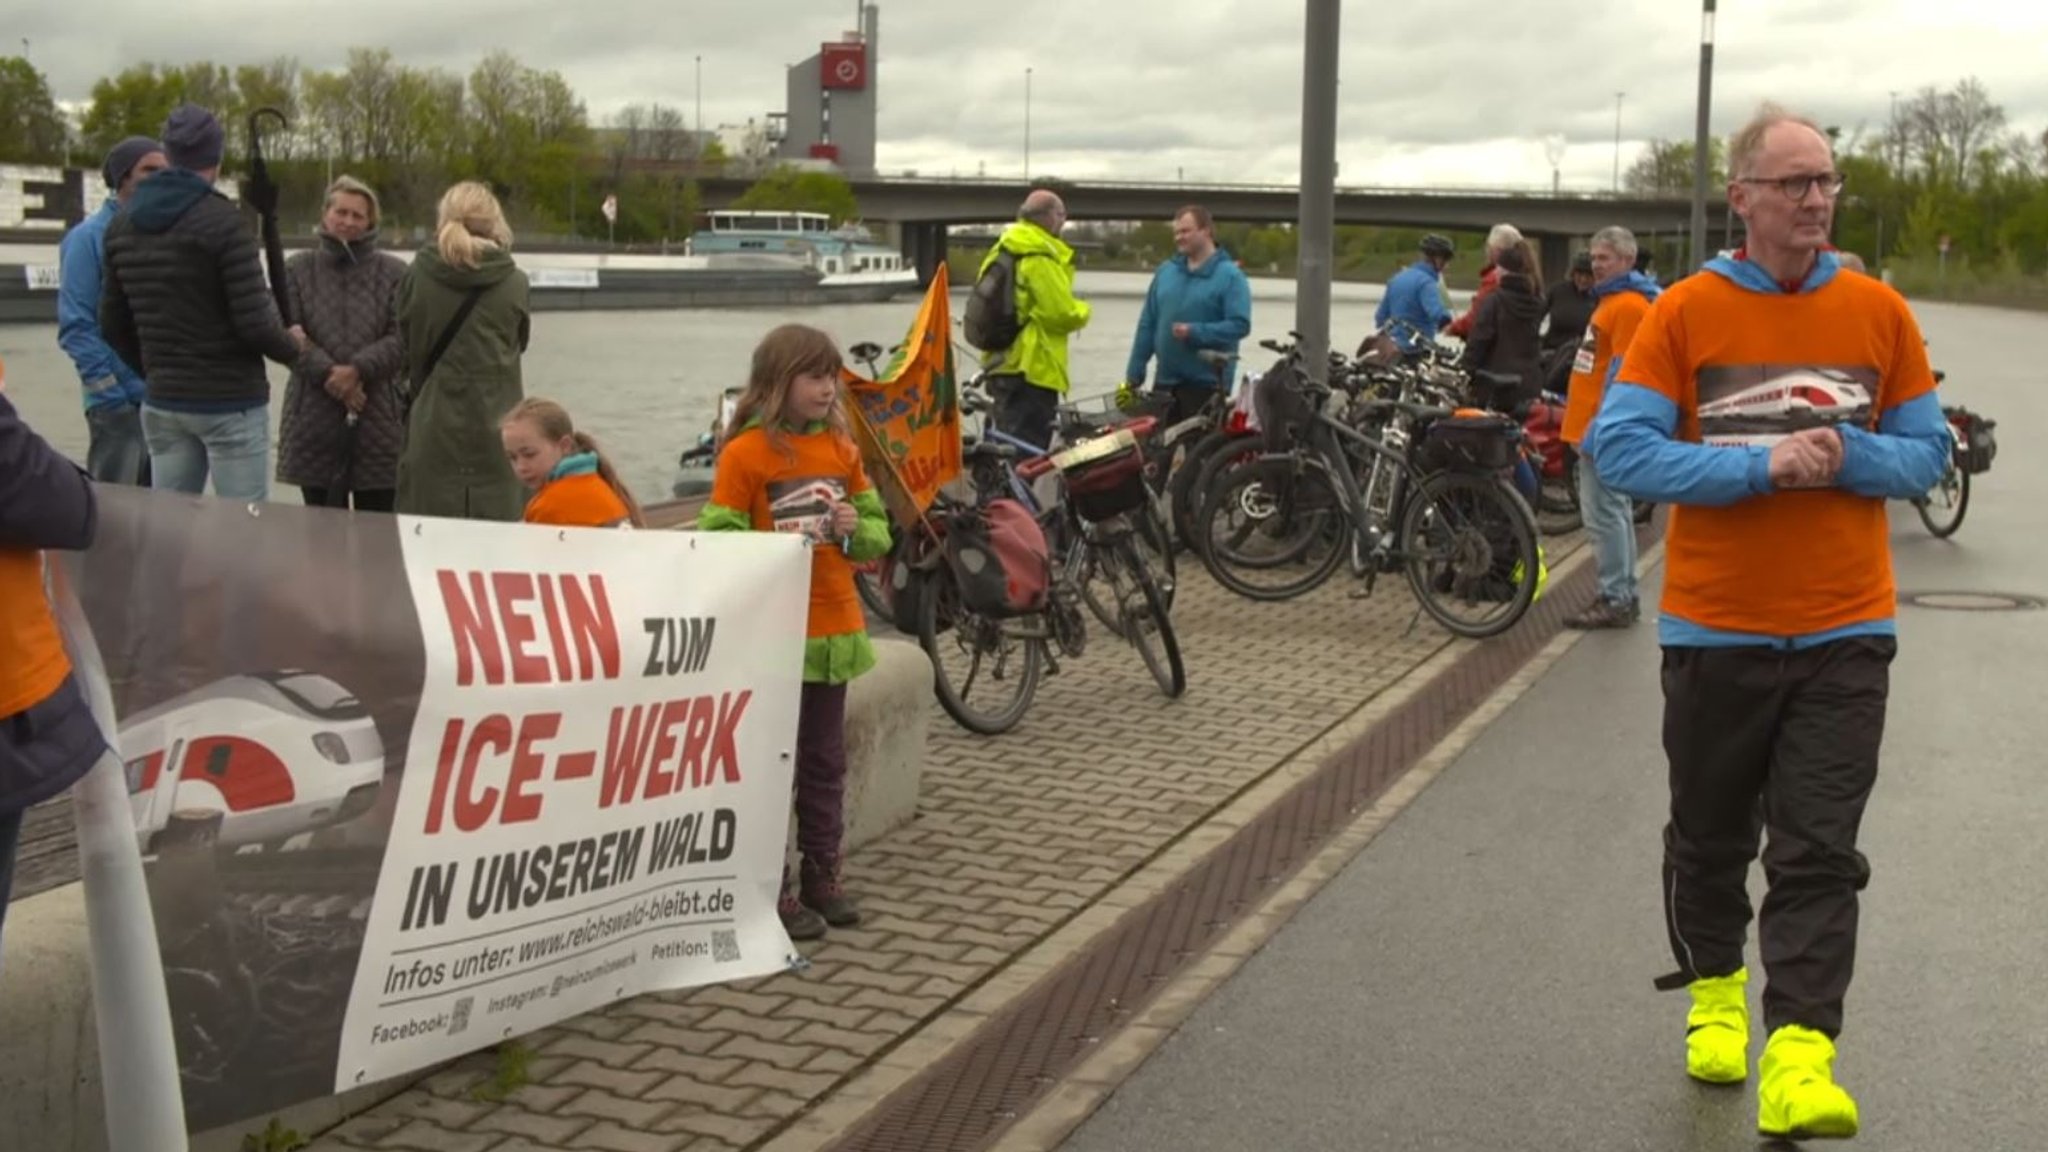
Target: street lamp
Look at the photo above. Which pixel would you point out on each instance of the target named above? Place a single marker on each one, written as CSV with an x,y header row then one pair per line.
x,y
1617,140
1553,150
1701,143
1027,124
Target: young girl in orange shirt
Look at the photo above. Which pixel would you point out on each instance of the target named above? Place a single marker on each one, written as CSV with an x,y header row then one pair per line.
x,y
788,464
572,481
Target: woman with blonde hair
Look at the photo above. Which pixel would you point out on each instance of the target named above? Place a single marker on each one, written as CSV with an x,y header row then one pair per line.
x,y
464,319
342,430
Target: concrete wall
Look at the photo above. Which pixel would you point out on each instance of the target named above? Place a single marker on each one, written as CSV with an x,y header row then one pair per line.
x,y
50,1098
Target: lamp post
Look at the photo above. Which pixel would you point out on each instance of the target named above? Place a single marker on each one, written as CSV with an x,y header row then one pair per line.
x,y
1318,211
1618,96
1702,145
1027,124
1553,150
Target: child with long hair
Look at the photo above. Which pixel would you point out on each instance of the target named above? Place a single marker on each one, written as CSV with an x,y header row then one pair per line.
x,y
572,481
788,464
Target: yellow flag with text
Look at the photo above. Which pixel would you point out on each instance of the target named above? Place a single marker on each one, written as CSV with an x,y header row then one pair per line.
x,y
907,422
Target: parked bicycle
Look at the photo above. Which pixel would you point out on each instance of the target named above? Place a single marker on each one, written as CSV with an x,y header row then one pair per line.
x,y
1393,485
1975,446
974,644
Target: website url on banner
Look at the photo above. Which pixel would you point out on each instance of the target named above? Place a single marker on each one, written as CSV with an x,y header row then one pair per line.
x,y
462,965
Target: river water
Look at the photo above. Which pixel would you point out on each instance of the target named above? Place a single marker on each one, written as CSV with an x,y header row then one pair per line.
x,y
647,383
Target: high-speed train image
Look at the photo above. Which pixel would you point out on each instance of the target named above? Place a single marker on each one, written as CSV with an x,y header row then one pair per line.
x,y
279,753
1763,413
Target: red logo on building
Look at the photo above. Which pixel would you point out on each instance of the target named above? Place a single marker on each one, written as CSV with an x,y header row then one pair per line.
x,y
843,66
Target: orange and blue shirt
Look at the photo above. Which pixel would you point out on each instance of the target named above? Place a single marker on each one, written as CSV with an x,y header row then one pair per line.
x,y
576,496
1727,363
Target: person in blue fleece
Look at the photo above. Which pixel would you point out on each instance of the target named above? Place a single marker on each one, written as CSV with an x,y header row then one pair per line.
x,y
1414,299
116,452
1199,301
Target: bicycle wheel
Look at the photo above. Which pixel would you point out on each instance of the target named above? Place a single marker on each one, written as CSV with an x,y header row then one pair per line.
x,y
1943,508
1146,624
1470,541
1006,664
1276,527
1216,450
867,580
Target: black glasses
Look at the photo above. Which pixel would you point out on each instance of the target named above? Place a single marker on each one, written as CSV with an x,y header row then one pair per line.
x,y
1796,187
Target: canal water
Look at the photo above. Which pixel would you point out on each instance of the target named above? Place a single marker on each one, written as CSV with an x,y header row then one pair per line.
x,y
647,383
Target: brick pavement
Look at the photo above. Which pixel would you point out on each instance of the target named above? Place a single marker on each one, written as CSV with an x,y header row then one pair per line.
x,y
1014,836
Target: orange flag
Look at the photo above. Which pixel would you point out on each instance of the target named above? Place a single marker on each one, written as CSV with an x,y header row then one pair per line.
x,y
908,422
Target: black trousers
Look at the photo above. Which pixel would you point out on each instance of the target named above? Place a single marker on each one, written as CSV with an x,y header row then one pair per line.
x,y
366,499
1786,741
1184,402
1024,410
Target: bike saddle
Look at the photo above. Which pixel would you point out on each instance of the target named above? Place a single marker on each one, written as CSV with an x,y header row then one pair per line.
x,y
1496,379
1939,375
866,350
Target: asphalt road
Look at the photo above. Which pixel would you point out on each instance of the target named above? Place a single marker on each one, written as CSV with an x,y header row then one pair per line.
x,y
1479,978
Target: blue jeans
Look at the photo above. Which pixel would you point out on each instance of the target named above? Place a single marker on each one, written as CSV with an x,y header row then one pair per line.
x,y
234,446
1610,524
117,452
10,842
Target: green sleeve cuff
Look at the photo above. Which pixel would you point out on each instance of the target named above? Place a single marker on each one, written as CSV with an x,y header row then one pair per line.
x,y
870,536
719,518
837,659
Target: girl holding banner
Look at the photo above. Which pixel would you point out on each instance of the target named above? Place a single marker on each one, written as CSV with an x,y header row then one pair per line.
x,y
789,464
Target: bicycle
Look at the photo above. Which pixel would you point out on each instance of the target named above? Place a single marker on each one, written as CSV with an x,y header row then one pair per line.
x,y
1973,446
1431,503
1101,541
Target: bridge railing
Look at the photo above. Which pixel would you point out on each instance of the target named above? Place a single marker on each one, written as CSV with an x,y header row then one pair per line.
x,y
913,177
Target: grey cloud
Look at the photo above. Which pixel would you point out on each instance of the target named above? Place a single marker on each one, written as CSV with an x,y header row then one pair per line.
x,y
1139,88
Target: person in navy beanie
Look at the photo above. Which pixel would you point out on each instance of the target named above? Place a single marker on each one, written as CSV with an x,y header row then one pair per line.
x,y
185,303
116,452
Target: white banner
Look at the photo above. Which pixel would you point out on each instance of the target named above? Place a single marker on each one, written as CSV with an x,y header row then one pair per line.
x,y
600,794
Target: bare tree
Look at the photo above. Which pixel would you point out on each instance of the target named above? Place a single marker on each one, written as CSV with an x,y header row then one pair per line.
x,y
1949,128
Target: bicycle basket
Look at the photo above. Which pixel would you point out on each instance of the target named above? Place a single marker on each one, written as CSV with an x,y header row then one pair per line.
x,y
1475,442
1283,405
1976,446
1104,476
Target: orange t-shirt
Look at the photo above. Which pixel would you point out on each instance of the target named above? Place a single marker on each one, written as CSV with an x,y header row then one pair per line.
x,y
1608,333
792,491
32,659
583,500
1798,562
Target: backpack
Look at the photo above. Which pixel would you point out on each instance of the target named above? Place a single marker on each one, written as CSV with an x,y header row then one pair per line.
x,y
1000,558
991,322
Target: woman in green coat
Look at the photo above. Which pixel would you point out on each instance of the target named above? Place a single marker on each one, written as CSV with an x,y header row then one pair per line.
x,y
454,463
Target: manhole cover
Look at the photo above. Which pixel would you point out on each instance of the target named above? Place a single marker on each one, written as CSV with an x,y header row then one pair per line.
x,y
1972,601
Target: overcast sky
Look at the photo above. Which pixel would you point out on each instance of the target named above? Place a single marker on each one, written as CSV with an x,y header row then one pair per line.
x,y
1461,93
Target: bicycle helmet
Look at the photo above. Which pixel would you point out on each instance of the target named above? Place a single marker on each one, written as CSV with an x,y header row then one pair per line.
x,y
1435,245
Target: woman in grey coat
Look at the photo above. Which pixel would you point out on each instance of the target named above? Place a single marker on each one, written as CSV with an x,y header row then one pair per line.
x,y
343,427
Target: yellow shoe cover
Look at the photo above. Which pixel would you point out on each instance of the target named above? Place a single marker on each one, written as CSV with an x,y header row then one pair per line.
x,y
1797,1097
1717,1029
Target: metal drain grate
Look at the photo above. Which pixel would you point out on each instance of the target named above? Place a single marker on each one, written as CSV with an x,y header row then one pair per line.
x,y
963,1102
1972,601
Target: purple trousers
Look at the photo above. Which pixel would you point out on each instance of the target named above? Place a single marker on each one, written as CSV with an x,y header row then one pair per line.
x,y
821,773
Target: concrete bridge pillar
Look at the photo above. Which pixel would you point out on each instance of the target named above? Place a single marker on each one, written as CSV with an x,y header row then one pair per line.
x,y
1554,255
924,245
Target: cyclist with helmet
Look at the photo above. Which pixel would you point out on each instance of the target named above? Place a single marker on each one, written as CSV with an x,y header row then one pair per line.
x,y
1414,297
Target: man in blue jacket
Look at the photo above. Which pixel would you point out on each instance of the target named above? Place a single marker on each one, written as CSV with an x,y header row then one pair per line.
x,y
1414,299
114,392
48,738
1200,301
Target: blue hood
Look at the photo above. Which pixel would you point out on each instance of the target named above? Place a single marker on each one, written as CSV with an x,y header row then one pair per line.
x,y
163,199
1635,282
1749,275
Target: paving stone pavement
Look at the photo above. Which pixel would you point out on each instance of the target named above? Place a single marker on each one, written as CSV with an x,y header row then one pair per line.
x,y
1014,835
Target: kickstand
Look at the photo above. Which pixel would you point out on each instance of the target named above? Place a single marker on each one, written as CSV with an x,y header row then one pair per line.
x,y
1413,621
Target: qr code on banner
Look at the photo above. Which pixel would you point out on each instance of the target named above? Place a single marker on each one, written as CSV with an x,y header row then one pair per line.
x,y
725,946
458,1020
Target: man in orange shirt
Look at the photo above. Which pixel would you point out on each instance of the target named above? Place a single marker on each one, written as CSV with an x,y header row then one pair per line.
x,y
1624,295
1777,404
48,738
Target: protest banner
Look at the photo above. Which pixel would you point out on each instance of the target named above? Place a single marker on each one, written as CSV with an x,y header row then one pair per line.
x,y
408,787
907,421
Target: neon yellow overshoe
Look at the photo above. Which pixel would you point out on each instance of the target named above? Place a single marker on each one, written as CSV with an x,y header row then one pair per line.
x,y
1797,1098
1717,1029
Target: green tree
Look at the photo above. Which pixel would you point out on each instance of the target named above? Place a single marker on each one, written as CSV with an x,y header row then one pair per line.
x,y
1666,168
798,190
31,129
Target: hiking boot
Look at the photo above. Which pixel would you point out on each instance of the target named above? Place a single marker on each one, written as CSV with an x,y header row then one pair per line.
x,y
1797,1097
1717,1030
800,922
1604,613
823,892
